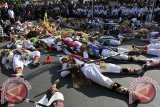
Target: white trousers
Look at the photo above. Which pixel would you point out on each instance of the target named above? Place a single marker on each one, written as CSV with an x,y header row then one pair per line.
x,y
49,41
155,52
153,49
19,62
114,42
121,51
94,72
156,59
65,65
153,46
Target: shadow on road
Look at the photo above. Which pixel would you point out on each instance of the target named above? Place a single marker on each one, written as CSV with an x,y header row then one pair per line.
x,y
6,72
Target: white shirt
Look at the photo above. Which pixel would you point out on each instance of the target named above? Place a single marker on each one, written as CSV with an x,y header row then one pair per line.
x,y
11,13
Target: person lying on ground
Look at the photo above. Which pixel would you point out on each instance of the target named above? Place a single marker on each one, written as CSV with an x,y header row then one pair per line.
x,y
17,59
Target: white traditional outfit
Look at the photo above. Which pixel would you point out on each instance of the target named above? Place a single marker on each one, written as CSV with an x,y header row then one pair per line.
x,y
94,72
19,60
153,49
56,97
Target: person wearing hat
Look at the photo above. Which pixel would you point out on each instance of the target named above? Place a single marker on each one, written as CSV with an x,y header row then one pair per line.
x,y
57,97
53,97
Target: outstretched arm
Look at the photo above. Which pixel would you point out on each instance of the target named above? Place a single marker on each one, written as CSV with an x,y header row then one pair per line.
x,y
66,72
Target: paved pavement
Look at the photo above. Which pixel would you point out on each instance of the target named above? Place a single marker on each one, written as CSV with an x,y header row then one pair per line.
x,y
87,96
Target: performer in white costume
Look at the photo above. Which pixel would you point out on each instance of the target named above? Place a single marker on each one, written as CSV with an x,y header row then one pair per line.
x,y
20,43
17,59
151,49
68,46
93,72
112,52
53,97
151,63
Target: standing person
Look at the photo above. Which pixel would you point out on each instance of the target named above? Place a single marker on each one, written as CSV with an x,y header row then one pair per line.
x,y
11,15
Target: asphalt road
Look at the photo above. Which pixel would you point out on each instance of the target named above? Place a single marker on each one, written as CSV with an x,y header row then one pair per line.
x,y
87,96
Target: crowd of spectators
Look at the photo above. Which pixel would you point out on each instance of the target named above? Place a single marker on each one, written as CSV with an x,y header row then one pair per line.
x,y
34,12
